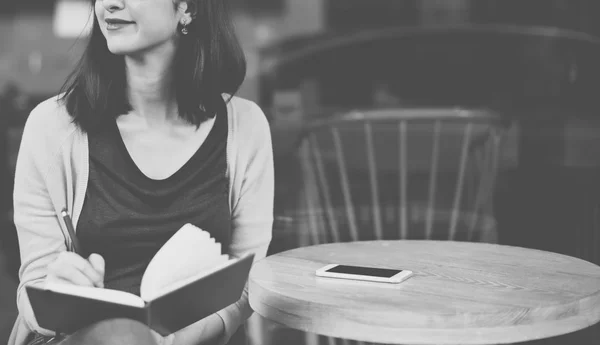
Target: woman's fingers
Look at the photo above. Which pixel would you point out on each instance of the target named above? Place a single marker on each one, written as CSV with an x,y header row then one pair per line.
x,y
97,263
73,268
97,278
74,276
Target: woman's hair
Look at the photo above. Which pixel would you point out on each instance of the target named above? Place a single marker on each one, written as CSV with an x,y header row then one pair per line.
x,y
209,61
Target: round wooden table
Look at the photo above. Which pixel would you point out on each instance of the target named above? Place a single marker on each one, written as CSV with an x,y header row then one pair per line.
x,y
461,293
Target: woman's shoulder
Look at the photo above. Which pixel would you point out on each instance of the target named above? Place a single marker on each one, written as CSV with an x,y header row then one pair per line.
x,y
47,129
246,116
50,120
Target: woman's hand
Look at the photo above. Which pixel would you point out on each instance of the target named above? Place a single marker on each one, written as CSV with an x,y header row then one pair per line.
x,y
72,268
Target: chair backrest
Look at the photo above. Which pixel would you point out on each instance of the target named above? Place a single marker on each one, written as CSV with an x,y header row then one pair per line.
x,y
400,174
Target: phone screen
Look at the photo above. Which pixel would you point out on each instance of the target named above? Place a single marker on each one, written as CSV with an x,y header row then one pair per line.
x,y
364,271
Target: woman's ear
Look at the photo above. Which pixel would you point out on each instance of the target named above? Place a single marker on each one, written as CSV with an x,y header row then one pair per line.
x,y
187,9
185,18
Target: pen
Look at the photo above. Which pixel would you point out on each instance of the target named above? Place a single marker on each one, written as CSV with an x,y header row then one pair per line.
x,y
71,230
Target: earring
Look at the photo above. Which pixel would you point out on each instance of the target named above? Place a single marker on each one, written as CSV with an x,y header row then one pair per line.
x,y
184,29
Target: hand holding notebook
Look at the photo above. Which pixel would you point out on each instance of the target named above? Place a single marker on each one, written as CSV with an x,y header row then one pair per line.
x,y
187,280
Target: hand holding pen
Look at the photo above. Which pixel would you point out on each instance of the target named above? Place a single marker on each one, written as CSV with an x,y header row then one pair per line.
x,y
71,267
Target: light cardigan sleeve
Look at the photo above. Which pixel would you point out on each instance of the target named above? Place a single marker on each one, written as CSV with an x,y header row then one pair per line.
x,y
38,229
252,207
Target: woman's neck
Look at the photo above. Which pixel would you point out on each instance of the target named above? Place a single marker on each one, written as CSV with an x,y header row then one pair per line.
x,y
150,86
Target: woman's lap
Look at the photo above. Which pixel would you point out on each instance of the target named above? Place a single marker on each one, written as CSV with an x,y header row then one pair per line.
x,y
113,332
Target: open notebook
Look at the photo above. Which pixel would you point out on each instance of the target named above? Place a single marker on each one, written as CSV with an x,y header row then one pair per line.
x,y
188,279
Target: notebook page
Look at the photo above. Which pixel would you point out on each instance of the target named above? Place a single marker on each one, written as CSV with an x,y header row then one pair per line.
x,y
222,262
188,253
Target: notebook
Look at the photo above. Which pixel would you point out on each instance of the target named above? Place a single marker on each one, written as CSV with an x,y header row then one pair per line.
x,y
188,279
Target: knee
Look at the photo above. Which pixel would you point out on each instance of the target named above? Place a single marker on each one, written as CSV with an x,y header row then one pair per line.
x,y
113,332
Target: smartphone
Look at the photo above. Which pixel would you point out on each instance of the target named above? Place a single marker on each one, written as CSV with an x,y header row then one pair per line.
x,y
373,274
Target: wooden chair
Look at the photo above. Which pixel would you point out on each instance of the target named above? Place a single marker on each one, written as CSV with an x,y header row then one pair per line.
x,y
398,174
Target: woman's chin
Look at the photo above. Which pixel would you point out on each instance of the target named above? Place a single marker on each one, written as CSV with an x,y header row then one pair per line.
x,y
120,50
121,47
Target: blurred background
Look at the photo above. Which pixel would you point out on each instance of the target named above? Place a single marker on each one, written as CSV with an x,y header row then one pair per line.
x,y
485,110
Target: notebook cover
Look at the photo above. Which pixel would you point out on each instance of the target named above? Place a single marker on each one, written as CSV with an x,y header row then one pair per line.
x,y
199,299
67,314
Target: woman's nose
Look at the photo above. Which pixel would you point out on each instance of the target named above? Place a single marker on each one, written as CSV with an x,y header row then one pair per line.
x,y
113,5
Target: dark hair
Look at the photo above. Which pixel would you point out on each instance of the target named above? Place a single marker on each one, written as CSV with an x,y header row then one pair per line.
x,y
209,61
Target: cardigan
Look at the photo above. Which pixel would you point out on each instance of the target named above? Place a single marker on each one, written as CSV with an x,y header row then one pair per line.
x,y
52,173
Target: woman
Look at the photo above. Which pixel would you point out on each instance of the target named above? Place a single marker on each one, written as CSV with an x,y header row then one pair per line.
x,y
145,138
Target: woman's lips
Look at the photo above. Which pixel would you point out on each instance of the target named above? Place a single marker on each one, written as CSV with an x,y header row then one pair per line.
x,y
116,24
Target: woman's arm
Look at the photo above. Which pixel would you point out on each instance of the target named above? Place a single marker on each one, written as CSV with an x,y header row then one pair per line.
x,y
252,209
38,228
